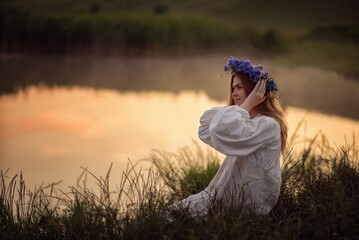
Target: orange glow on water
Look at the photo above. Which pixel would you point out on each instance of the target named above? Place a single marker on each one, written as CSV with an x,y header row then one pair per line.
x,y
50,133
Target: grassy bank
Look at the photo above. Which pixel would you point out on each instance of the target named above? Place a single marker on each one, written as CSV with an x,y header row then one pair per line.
x,y
108,33
291,33
319,200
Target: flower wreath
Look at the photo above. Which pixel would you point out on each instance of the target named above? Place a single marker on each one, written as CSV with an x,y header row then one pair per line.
x,y
255,73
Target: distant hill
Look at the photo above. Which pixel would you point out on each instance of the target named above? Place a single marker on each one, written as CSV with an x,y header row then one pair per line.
x,y
289,15
320,33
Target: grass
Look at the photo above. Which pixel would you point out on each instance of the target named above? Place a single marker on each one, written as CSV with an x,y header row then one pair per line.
x,y
285,14
319,47
319,200
22,31
187,172
289,32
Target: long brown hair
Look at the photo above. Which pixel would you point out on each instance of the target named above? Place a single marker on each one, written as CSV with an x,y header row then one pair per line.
x,y
270,107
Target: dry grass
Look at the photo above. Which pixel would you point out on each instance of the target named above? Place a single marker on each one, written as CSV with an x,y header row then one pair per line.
x,y
319,200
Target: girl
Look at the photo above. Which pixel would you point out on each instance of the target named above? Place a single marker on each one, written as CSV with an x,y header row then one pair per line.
x,y
251,132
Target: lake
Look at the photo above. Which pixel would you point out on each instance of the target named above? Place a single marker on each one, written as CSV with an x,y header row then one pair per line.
x,y
59,114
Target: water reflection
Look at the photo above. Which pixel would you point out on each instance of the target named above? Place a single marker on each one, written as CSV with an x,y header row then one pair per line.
x,y
50,133
302,87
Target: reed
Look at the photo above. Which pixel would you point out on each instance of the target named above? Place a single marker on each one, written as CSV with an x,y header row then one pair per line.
x,y
116,32
288,32
319,200
186,172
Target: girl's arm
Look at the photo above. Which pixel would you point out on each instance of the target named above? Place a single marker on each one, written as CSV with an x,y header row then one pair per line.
x,y
205,120
233,133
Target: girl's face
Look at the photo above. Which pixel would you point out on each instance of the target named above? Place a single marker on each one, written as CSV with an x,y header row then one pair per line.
x,y
238,93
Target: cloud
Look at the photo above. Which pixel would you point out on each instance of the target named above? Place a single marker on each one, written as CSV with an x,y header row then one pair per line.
x,y
43,122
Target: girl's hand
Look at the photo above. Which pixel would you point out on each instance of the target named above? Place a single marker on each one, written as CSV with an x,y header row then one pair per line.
x,y
256,97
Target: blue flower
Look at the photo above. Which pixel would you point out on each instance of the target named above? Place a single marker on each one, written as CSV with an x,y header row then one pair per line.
x,y
257,75
235,65
247,69
271,86
247,62
231,61
266,75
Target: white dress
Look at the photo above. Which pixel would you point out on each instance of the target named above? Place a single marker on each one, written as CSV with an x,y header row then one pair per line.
x,y
251,167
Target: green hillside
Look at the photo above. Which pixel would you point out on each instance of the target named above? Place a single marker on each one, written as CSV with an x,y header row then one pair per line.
x,y
290,15
290,32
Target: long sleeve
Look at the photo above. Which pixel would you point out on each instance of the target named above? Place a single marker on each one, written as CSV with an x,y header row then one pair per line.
x,y
233,133
205,120
252,163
